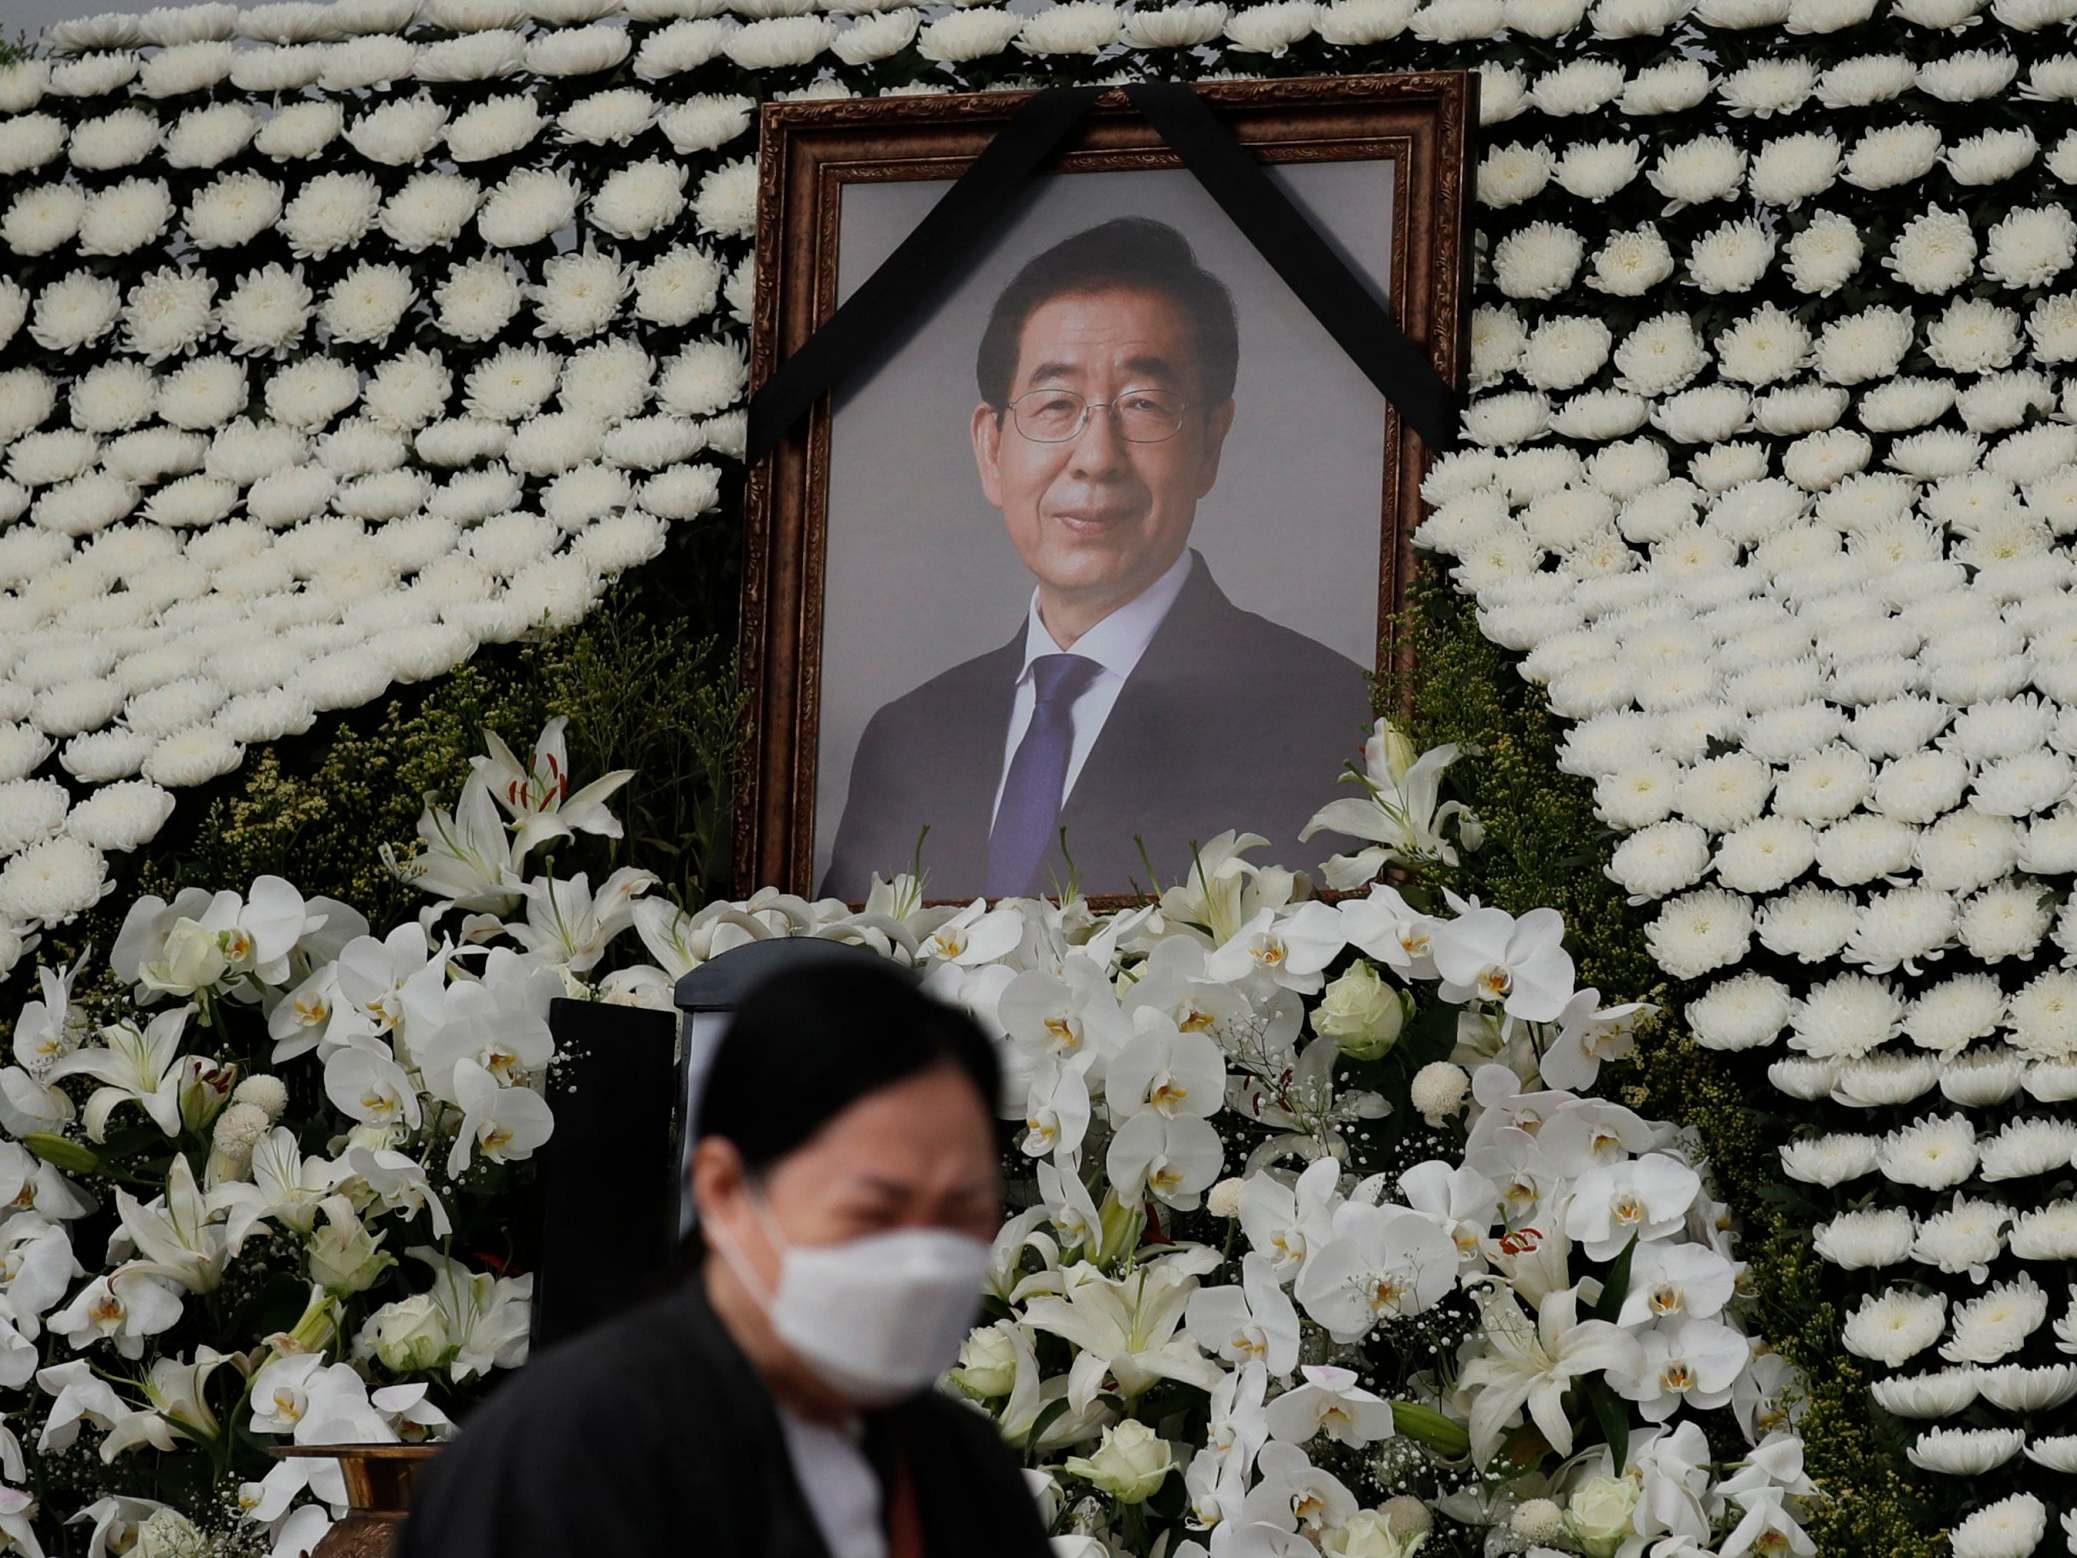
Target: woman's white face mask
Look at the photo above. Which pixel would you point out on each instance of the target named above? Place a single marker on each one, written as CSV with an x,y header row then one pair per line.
x,y
878,1318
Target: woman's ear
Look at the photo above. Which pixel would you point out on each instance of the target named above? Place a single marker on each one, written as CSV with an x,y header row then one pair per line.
x,y
717,1180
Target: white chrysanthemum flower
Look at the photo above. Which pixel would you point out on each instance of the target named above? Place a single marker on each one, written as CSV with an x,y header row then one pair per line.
x,y
74,311
1966,1237
266,312
2005,921
514,382
579,294
2046,1233
2042,1016
1824,254
1901,927
1934,252
43,217
232,211
106,142
299,131
1810,924
30,810
683,492
1845,1017
1742,1012
684,45
1857,1241
1884,1081
531,205
1731,257
1831,1161
1950,1016
643,197
1983,1079
368,302
430,211
121,816
2010,1527
1765,856
1992,1327
1694,172
1965,1452
478,298
32,140
1934,1153
1793,168
168,312
51,882
1660,859
2021,785
2031,247
1700,931
726,202
124,217
1507,175
1894,1326
1946,1393
1973,336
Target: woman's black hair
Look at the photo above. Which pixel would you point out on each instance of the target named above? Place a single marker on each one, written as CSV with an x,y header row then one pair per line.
x,y
805,1045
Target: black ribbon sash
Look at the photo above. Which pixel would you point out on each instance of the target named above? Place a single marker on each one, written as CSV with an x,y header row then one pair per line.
x,y
882,310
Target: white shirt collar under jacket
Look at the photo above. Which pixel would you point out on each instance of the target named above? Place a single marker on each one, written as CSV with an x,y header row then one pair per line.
x,y
842,1491
1116,643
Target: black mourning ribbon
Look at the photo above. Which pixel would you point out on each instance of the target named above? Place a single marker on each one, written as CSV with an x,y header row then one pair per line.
x,y
883,308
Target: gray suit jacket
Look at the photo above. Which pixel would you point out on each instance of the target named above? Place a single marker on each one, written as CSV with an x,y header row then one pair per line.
x,y
1228,721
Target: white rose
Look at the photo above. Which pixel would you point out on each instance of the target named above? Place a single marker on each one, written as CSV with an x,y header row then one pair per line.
x,y
409,1334
1598,1514
167,1533
1360,1013
1368,1534
191,960
987,1363
1129,1464
344,1255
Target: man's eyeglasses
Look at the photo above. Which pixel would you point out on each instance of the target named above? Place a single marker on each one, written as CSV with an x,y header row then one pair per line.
x,y
1057,416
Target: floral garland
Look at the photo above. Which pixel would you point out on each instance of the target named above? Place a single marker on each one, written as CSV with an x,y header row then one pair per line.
x,y
1492,1312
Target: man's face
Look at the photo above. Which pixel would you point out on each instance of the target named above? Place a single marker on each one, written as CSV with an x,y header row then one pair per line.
x,y
1098,519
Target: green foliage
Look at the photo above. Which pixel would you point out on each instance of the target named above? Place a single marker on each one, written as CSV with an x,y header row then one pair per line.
x,y
1544,845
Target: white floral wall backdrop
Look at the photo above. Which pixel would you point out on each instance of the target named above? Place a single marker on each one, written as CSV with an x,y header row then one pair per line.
x,y
338,340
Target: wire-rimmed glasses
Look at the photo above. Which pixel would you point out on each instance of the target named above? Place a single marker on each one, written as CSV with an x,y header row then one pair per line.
x,y
1057,416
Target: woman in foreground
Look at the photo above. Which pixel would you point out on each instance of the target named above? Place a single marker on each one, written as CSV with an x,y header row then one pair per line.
x,y
779,1402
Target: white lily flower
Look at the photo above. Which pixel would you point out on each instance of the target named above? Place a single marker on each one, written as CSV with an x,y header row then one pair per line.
x,y
47,1030
1124,1328
680,941
175,1234
133,1065
504,1124
1331,1403
1031,1395
1401,811
1252,1323
115,1518
487,1317
1533,1365
537,795
179,1392
286,1188
1224,890
464,859
568,926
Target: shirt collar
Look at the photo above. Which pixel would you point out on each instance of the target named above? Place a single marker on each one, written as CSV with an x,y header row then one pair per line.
x,y
1117,642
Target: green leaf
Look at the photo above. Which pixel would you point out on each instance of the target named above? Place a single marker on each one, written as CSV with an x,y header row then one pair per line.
x,y
1615,1287
1610,1417
1040,1424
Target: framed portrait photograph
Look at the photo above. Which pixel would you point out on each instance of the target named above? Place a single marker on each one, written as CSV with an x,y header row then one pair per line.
x,y
1090,564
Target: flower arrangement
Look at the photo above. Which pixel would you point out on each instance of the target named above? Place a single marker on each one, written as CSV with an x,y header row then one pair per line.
x,y
301,1141
1249,1299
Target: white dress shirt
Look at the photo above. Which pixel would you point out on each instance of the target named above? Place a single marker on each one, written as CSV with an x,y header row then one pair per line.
x,y
843,1493
1116,643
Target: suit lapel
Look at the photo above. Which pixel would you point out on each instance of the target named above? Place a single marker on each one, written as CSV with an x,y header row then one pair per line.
x,y
965,788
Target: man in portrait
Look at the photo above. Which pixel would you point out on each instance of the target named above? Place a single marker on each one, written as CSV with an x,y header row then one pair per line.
x,y
1134,700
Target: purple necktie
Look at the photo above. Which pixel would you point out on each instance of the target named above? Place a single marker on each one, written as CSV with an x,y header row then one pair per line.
x,y
1030,808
